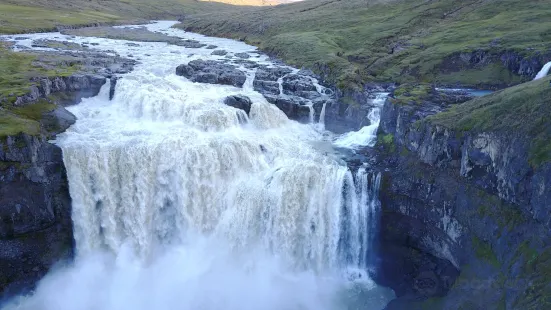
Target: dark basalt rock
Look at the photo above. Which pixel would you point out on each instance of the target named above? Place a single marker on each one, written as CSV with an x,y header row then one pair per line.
x,y
294,82
294,107
266,87
78,86
219,52
239,102
243,55
112,86
190,44
212,72
272,74
35,206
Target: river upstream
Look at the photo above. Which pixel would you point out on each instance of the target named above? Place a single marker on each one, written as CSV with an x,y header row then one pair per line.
x,y
182,202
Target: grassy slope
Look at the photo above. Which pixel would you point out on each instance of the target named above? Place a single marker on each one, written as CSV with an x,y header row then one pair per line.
x,y
18,16
16,71
353,41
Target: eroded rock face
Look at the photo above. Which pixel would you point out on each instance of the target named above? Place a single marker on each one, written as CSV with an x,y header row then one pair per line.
x,y
212,72
469,202
35,206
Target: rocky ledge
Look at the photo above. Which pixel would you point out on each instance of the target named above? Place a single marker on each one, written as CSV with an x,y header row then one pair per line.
x,y
212,72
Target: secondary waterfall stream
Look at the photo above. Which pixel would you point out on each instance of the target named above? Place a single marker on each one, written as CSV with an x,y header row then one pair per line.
x,y
180,204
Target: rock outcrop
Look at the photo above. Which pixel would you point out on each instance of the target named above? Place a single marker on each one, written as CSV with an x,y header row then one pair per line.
x,y
239,102
465,221
35,209
212,72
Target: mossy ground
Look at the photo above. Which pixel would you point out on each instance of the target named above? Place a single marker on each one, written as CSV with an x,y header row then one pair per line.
x,y
411,93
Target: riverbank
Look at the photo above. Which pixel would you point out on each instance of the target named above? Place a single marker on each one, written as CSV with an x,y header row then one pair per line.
x,y
479,44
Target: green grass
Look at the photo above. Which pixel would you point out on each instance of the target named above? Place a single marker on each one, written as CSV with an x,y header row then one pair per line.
x,y
524,109
12,124
16,72
355,41
19,16
18,19
411,93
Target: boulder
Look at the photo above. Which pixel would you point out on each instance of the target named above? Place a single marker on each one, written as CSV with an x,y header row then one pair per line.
x,y
212,72
190,44
294,107
239,102
211,47
242,55
219,52
266,87
296,82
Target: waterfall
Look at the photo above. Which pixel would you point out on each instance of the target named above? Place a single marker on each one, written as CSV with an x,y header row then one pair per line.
x,y
180,201
544,71
367,135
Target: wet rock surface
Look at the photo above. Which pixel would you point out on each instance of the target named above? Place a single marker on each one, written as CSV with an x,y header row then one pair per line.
x,y
212,72
239,102
219,52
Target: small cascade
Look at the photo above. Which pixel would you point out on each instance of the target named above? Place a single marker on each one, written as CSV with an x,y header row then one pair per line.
x,y
367,135
544,71
322,115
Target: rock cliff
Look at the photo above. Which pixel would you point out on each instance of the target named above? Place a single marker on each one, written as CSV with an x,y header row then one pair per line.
x,y
465,221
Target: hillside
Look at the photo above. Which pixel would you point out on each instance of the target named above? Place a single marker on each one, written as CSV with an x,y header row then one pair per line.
x,y
18,16
479,43
253,2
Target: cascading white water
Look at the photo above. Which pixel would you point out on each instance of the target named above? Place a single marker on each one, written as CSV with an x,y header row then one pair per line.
x,y
179,203
367,135
544,71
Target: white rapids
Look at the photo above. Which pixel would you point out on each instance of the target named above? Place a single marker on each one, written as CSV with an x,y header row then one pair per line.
x,y
179,204
544,71
367,135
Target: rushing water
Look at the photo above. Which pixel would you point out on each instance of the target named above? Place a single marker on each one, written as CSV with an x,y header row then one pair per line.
x,y
367,135
544,71
179,204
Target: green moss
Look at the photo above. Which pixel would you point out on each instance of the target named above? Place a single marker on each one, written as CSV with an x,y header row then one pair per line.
x,y
11,125
484,251
538,271
34,111
387,141
411,93
505,215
